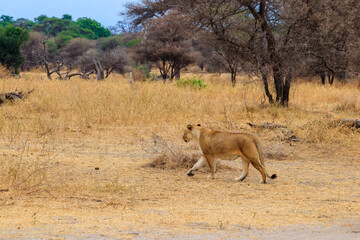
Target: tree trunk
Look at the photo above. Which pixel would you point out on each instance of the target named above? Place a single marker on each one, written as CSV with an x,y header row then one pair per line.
x,y
46,64
260,15
331,78
286,89
174,73
44,60
164,71
163,74
279,83
99,69
322,75
201,66
266,86
177,73
233,78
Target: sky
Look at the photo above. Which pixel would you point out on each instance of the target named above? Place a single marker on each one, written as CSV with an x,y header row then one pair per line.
x,y
104,11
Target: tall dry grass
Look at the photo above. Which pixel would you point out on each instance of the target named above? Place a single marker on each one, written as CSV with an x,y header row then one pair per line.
x,y
57,107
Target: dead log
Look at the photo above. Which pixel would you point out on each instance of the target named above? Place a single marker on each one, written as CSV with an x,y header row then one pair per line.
x,y
267,125
287,133
11,96
347,123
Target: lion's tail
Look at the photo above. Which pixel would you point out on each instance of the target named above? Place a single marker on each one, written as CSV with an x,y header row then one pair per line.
x,y
261,158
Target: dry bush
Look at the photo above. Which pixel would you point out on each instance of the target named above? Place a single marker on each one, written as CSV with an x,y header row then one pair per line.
x,y
166,161
169,157
173,157
24,174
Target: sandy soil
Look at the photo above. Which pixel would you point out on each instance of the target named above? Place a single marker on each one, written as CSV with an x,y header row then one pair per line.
x,y
97,188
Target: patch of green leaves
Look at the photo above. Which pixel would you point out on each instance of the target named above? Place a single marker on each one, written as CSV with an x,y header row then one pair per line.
x,y
195,82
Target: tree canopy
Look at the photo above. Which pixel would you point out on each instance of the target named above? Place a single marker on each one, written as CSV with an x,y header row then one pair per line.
x,y
11,39
65,28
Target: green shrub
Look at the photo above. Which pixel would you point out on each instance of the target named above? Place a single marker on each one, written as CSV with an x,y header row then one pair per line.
x,y
195,82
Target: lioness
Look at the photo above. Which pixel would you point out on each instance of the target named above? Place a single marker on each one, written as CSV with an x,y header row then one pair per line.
x,y
226,145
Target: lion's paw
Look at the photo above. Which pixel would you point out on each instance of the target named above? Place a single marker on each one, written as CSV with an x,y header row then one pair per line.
x,y
211,177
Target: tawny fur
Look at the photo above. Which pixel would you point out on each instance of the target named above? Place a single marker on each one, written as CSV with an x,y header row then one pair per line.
x,y
228,146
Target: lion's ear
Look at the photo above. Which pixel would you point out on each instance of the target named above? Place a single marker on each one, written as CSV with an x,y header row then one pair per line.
x,y
199,125
189,127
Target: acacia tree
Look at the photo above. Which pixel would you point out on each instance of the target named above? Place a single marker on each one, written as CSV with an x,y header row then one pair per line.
x,y
41,51
71,54
226,56
332,38
166,45
114,60
232,57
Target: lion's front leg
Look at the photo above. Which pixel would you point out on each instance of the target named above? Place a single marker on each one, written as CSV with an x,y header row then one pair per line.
x,y
196,166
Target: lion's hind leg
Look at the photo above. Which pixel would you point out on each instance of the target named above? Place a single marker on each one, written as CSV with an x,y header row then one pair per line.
x,y
245,172
253,155
261,169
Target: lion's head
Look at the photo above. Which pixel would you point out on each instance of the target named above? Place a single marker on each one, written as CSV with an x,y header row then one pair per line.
x,y
188,133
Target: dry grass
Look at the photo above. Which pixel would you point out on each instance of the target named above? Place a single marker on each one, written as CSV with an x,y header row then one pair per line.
x,y
82,145
169,156
57,107
4,72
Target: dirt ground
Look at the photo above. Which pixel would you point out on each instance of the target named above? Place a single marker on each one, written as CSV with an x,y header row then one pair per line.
x,y
96,187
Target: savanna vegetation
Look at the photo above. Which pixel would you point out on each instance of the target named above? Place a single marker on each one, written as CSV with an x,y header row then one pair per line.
x,y
87,158
272,40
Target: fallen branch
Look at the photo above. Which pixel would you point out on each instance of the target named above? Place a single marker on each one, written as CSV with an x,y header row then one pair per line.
x,y
267,125
347,122
11,96
288,133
